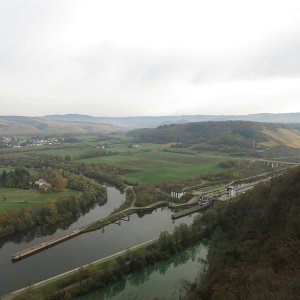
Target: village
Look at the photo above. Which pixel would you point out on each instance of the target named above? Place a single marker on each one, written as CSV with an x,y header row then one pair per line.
x,y
22,142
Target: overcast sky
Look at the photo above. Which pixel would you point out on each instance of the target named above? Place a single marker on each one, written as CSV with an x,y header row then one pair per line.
x,y
156,57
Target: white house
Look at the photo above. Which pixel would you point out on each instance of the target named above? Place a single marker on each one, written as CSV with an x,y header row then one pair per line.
x,y
177,194
231,191
43,184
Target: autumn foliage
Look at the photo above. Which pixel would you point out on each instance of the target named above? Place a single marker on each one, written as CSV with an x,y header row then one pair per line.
x,y
255,244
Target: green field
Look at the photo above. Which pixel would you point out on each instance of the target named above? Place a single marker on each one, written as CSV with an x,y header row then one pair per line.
x,y
156,166
74,151
124,148
12,198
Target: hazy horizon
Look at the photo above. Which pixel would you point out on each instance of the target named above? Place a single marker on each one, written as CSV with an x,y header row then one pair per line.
x,y
148,116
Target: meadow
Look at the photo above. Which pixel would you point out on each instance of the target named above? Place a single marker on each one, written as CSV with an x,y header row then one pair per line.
x,y
13,198
63,151
157,166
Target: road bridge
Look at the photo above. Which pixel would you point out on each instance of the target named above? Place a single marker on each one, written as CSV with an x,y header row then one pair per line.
x,y
277,162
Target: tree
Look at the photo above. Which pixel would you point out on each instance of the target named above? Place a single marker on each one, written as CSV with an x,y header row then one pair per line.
x,y
166,242
60,182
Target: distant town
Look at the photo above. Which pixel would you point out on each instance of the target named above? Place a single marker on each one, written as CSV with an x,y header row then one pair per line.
x,y
20,142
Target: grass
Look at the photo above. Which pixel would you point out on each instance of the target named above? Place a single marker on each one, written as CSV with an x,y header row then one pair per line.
x,y
12,198
156,166
76,151
124,148
103,139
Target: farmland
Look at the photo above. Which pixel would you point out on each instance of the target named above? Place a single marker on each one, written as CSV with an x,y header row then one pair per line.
x,y
157,166
63,151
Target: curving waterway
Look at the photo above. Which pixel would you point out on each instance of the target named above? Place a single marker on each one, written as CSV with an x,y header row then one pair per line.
x,y
83,249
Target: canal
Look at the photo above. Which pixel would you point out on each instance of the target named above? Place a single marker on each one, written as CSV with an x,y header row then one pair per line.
x,y
83,249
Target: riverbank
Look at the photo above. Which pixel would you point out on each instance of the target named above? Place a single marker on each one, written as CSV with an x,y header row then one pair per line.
x,y
100,224
168,279
37,288
112,268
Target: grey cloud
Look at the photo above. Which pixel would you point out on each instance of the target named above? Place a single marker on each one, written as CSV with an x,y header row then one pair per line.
x,y
39,69
277,56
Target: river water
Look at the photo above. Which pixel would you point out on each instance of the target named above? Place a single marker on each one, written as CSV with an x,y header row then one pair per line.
x,y
83,249
164,279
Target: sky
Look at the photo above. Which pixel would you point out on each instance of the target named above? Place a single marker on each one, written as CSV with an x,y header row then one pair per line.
x,y
156,57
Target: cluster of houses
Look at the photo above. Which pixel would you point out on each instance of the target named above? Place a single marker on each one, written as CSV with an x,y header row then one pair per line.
x,y
19,142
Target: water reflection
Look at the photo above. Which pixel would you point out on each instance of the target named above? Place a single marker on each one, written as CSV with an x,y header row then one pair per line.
x,y
163,279
46,230
83,249
102,209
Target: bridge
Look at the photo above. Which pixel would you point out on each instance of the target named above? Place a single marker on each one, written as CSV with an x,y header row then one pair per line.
x,y
277,163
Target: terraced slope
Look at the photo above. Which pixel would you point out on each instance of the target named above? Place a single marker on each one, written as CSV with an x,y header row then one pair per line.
x,y
283,136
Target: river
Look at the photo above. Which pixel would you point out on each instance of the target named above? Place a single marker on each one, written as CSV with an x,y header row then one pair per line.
x,y
83,249
163,280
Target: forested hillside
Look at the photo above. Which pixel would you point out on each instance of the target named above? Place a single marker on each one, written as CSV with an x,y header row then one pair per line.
x,y
224,135
255,244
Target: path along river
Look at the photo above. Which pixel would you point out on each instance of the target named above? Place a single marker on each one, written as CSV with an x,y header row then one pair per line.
x,y
83,249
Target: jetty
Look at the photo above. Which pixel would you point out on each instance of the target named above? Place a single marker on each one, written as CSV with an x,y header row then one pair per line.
x,y
38,248
190,211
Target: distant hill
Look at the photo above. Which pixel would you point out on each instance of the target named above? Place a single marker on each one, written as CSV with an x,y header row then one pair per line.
x,y
151,122
224,135
18,125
